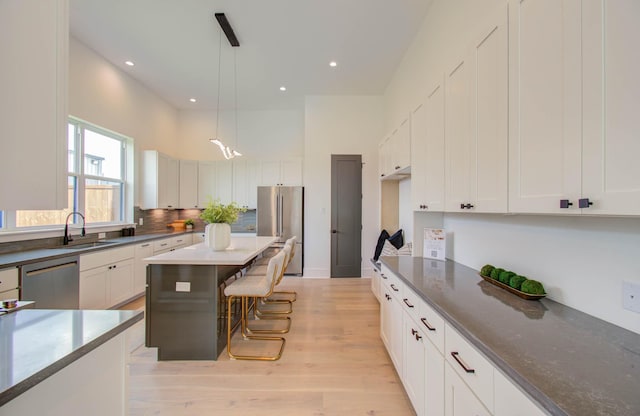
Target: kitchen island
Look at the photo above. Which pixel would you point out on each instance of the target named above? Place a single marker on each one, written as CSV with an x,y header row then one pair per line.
x,y
185,301
65,362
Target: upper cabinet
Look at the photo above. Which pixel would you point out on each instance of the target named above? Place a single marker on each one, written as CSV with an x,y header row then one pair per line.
x,y
281,173
427,151
395,152
477,123
33,104
545,106
188,185
245,191
611,97
160,180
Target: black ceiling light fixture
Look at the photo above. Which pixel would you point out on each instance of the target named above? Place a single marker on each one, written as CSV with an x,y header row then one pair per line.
x,y
227,152
227,29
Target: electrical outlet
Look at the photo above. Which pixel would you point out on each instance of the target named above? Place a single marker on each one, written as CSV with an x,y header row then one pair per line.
x,y
102,235
141,221
631,296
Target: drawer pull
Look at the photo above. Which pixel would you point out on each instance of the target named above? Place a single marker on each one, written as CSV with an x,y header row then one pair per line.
x,y
383,276
425,323
416,334
145,245
395,289
455,354
406,302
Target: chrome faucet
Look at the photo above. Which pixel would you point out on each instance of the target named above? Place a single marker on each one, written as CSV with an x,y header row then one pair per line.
x,y
67,236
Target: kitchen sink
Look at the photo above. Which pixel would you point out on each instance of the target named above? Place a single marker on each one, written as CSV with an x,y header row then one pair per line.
x,y
87,245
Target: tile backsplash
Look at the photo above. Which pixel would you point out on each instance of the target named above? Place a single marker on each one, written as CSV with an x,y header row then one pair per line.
x,y
158,220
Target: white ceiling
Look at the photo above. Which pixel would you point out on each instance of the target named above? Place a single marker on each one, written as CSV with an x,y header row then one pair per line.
x,y
174,45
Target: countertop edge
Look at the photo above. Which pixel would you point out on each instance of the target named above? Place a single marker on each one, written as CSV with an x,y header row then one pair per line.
x,y
530,389
33,380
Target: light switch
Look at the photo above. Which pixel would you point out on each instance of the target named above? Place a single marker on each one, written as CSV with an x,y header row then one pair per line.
x,y
183,286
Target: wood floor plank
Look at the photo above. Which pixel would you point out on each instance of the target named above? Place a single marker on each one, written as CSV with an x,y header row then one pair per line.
x,y
334,363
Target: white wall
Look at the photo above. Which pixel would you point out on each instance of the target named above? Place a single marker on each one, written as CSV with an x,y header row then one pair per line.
x,y
405,214
268,134
339,125
104,95
582,261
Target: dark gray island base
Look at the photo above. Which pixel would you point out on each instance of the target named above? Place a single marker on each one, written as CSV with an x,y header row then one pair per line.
x,y
187,325
571,363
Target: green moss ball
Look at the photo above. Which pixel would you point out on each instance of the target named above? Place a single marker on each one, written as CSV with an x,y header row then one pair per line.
x,y
516,281
495,273
532,287
505,277
486,270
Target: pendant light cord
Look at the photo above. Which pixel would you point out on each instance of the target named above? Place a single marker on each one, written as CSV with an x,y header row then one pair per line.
x,y
219,66
235,89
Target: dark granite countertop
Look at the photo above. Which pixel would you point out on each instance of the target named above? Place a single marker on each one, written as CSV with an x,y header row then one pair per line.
x,y
37,343
570,362
30,256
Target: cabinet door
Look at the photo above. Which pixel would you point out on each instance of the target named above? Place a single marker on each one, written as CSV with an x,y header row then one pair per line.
x,y
270,173
459,400
252,184
33,104
385,318
402,146
397,334
142,251
512,401
120,282
413,372
435,149
224,181
459,148
206,182
167,182
545,105
240,183
188,188
93,288
489,140
384,157
611,95
418,157
434,380
291,172
10,294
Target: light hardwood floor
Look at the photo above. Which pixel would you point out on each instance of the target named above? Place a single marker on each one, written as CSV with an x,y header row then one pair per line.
x,y
334,363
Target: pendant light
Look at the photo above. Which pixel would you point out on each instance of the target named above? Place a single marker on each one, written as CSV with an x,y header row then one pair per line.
x,y
227,152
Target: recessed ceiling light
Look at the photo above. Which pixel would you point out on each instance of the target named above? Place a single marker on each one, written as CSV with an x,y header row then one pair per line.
x,y
129,63
193,100
333,64
283,88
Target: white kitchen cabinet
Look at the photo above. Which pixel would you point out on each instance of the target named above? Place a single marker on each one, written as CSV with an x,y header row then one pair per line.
x,y
434,382
224,181
281,172
611,95
245,184
391,329
160,181
545,106
459,399
9,284
511,401
141,251
375,283
384,157
413,372
428,152
206,182
401,146
477,124
188,184
33,104
106,278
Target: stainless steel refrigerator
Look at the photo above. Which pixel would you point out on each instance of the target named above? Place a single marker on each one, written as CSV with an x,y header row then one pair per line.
x,y
280,214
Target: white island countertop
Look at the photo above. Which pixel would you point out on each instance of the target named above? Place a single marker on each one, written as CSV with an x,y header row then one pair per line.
x,y
241,251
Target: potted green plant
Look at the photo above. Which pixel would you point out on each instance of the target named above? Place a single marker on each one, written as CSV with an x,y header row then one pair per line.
x,y
219,217
189,224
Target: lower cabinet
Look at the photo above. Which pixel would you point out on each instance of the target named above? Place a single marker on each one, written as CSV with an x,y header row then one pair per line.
x,y
9,287
375,283
442,373
106,278
459,399
141,251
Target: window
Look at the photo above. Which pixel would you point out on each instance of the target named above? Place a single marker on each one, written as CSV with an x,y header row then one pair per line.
x,y
97,161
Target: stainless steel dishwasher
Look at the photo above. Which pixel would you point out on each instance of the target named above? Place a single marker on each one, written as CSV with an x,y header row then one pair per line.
x,y
52,284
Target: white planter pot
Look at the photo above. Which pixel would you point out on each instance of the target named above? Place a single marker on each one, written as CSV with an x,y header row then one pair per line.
x,y
217,236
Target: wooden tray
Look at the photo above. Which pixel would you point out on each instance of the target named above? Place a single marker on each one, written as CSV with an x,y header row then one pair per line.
x,y
523,295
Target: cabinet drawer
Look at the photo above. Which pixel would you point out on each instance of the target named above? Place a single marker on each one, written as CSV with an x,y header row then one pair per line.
x,y
471,366
392,282
432,324
10,294
103,257
411,304
181,241
8,279
161,245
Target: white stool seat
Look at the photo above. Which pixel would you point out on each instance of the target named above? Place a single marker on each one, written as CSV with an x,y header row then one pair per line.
x,y
252,286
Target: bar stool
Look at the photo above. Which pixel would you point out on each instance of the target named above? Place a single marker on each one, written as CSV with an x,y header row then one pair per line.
x,y
253,287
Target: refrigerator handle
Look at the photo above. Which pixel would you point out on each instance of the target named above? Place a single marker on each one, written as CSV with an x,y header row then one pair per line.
x,y
280,215
278,219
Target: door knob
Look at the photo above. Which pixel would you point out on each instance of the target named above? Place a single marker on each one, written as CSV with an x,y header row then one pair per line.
x,y
584,203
